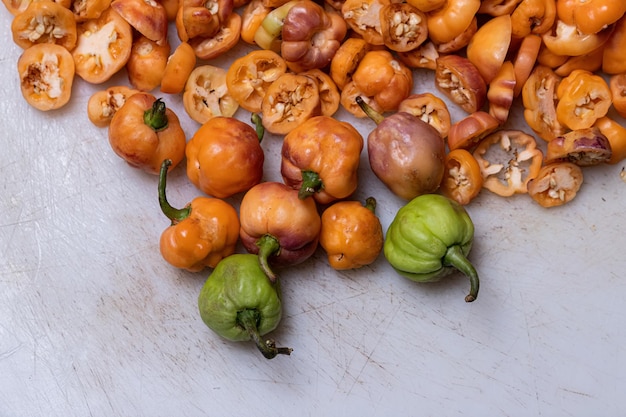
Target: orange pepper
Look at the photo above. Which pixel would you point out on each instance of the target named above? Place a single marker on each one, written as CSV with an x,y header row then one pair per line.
x,y
278,226
470,130
461,82
44,21
290,101
616,134
46,72
590,16
462,179
351,234
178,69
224,157
539,98
533,16
146,63
103,47
556,184
403,26
144,132
249,77
501,92
92,9
103,104
346,60
583,97
251,18
583,147
507,171
489,46
613,61
363,17
451,20
564,39
201,234
206,94
147,17
384,79
430,109
226,37
329,93
320,158
617,84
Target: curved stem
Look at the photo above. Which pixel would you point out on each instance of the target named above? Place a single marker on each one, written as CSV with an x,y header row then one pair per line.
x,y
369,111
155,117
174,214
311,184
455,257
258,125
370,204
268,246
249,319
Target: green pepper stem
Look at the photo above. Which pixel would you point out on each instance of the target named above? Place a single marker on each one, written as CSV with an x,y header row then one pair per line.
x,y
370,204
455,257
155,117
249,319
369,111
174,214
311,184
268,246
258,125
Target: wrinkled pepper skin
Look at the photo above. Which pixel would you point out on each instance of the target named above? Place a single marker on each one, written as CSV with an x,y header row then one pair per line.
x,y
320,158
430,238
239,303
201,234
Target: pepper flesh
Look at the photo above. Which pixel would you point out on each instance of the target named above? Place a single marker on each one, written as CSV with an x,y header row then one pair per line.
x,y
239,303
429,238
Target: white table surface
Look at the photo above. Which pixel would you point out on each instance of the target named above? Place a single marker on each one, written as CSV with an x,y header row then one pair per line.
x,y
94,323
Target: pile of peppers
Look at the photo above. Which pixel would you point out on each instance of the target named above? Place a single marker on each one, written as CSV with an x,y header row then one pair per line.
x,y
563,59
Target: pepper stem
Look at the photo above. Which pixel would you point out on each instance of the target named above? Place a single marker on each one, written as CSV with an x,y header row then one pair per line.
x,y
155,117
370,204
258,125
311,184
455,257
249,319
369,111
268,246
174,214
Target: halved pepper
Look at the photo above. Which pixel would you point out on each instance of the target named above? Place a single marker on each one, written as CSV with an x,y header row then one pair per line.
x,y
508,160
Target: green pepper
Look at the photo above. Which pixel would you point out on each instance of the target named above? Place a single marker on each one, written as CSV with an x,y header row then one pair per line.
x,y
239,303
429,238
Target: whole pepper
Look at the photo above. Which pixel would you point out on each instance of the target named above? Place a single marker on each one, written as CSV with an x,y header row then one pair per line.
x,y
201,234
320,158
351,234
144,132
239,303
278,226
225,157
406,153
429,238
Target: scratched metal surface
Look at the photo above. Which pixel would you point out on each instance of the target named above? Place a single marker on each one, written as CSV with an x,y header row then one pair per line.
x,y
94,323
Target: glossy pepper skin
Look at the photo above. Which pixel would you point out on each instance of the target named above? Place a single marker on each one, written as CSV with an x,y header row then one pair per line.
x,y
405,153
144,132
201,234
320,158
239,303
224,157
429,238
278,226
351,234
